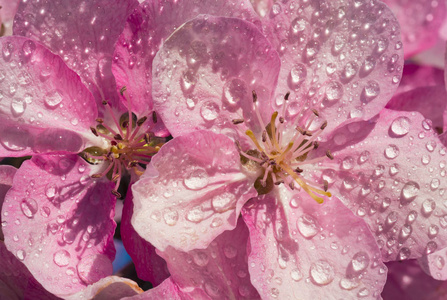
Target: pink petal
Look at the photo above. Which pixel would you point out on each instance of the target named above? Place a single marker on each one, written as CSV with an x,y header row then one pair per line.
x,y
205,73
192,192
344,58
166,290
219,272
60,227
6,175
415,76
420,21
391,173
430,101
407,281
305,250
43,105
7,13
147,27
149,266
16,282
110,288
84,33
434,264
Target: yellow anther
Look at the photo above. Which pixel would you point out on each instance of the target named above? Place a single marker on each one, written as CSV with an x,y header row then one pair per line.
x,y
251,135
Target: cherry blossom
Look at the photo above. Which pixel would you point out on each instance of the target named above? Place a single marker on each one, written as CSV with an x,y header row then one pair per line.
x,y
290,163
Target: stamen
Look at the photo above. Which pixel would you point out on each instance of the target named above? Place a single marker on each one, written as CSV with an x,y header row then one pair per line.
x,y
329,154
251,135
255,96
237,121
154,117
94,131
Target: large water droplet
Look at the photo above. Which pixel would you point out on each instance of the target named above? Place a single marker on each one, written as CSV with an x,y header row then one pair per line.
x,y
360,261
209,111
200,258
21,254
230,251
94,267
53,98
308,226
234,92
400,126
334,91
196,214
370,91
61,258
197,179
428,206
170,217
29,207
297,75
409,192
28,47
18,107
322,272
311,50
391,151
223,202
296,274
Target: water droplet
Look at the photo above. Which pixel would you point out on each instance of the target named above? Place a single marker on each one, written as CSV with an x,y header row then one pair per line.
x,y
370,91
431,247
405,232
170,217
433,231
18,107
296,275
412,215
363,293
392,151
8,49
223,202
428,206
308,226
197,179
200,258
349,283
334,91
322,272
234,92
297,75
28,47
311,51
29,207
21,254
230,251
45,211
209,111
61,258
69,235
196,214
217,222
404,253
364,156
400,126
409,192
349,71
53,98
50,190
94,267
360,261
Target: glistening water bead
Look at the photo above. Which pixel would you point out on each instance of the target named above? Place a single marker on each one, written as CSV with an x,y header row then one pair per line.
x,y
127,147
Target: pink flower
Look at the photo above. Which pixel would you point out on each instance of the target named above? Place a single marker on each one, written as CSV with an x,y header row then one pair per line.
x,y
59,98
341,65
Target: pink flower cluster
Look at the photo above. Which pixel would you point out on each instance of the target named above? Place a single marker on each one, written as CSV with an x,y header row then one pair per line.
x,y
263,149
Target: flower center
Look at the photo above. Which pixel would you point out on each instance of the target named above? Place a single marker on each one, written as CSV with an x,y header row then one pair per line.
x,y
130,144
285,162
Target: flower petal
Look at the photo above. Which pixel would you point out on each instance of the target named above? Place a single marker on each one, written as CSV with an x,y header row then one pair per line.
x,y
391,173
149,266
218,272
344,58
43,104
16,282
150,24
421,30
407,281
305,250
110,288
415,76
197,194
206,71
83,32
434,263
6,175
166,290
59,223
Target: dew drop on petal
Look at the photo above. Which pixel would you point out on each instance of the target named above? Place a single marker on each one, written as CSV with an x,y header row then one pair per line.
x,y
28,47
209,111
61,258
198,179
170,217
94,267
230,251
360,261
334,91
223,202
29,207
296,275
53,98
21,254
195,215
400,126
409,191
200,258
322,272
391,151
308,226
18,107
